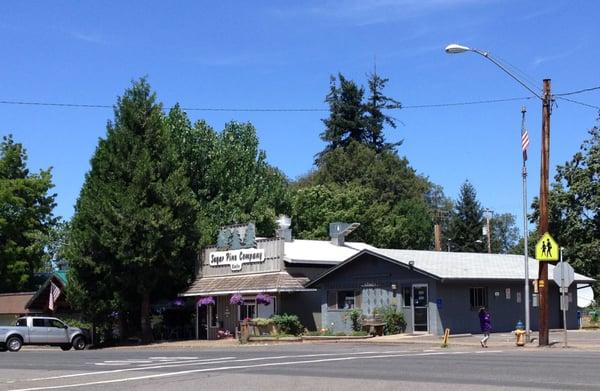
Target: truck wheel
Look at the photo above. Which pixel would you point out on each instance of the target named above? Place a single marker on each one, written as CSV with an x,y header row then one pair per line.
x,y
65,347
79,343
14,344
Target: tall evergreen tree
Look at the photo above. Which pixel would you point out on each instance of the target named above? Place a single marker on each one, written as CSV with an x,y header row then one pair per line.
x,y
346,114
466,222
133,236
376,119
26,218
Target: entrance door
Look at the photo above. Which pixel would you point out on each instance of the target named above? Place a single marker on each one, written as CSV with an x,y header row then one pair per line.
x,y
420,308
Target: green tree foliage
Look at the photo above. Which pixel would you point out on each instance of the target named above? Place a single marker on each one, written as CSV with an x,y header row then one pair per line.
x,y
376,119
354,118
378,190
26,217
466,222
229,175
360,178
134,235
574,208
505,234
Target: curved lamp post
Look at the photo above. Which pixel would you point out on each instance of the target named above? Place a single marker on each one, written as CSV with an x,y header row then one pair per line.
x,y
546,99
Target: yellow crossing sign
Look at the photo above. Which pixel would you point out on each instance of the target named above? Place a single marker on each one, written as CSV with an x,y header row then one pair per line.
x,y
547,249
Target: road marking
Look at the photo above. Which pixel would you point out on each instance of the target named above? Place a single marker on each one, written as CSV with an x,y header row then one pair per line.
x,y
168,374
204,362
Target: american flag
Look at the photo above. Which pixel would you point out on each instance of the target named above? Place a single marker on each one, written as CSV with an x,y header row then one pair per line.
x,y
524,142
54,293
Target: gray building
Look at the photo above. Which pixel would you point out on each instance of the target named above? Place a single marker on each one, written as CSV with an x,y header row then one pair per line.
x,y
321,280
437,290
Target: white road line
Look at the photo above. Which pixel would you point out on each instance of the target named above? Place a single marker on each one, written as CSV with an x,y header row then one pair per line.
x,y
168,374
207,361
202,362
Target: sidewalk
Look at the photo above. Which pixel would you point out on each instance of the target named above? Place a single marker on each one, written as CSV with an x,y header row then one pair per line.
x,y
576,339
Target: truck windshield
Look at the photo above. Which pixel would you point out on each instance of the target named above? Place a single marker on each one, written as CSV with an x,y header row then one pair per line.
x,y
21,322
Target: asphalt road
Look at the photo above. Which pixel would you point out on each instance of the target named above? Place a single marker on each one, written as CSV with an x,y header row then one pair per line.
x,y
301,367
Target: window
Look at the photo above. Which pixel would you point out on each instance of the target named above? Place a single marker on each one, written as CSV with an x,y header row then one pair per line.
x,y
248,310
345,300
38,322
478,298
406,296
21,322
56,323
342,300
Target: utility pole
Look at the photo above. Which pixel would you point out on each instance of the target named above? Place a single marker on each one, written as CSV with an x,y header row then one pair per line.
x,y
543,224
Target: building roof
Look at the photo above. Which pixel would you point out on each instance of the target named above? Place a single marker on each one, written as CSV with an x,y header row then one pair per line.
x,y
247,283
14,303
453,266
40,298
457,266
321,252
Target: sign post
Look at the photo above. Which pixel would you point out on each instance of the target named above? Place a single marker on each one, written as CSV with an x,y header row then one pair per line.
x,y
564,276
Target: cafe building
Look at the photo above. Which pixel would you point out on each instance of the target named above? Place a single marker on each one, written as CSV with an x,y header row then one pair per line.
x,y
242,276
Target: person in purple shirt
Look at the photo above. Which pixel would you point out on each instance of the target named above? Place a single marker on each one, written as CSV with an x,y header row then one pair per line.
x,y
485,321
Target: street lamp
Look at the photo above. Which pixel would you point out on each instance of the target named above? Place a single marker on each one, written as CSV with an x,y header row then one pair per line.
x,y
546,99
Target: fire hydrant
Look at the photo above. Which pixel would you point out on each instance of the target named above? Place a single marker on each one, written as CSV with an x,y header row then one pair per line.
x,y
520,334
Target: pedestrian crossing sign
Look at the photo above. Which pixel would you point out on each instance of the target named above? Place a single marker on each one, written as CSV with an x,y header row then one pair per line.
x,y
546,249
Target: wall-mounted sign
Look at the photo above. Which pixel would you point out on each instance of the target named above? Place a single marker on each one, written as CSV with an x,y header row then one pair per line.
x,y
236,258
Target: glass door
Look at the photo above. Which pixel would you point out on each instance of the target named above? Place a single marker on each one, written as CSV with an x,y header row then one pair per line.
x,y
420,308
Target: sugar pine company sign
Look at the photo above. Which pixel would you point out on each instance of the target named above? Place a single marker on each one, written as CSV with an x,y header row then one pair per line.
x,y
236,258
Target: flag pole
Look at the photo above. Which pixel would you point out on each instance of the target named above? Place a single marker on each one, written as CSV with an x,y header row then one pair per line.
x,y
524,145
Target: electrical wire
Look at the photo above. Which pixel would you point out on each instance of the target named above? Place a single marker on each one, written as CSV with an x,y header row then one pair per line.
x,y
578,91
579,103
222,109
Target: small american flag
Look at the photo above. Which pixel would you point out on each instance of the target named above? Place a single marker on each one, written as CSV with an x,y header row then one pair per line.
x,y
54,293
524,142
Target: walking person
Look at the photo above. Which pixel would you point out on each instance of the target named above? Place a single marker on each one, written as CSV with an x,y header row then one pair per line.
x,y
485,321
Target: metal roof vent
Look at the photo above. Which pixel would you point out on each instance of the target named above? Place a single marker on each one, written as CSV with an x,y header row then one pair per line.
x,y
338,232
284,231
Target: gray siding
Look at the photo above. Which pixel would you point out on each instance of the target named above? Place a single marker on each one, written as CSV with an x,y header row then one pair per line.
x,y
304,304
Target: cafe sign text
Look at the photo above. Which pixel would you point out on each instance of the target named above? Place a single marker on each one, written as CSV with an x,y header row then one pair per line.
x,y
236,258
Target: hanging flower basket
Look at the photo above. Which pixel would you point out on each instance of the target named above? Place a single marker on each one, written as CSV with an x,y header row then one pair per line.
x,y
264,298
178,302
208,300
236,299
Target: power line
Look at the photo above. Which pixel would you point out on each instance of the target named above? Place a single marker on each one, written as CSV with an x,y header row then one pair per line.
x,y
579,103
224,109
578,91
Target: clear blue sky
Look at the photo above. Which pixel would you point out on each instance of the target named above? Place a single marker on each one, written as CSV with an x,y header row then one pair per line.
x,y
281,54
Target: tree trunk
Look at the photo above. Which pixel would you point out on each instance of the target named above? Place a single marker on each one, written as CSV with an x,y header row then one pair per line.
x,y
145,318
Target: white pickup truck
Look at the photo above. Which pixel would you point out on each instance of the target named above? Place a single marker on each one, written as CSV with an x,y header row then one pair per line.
x,y
41,330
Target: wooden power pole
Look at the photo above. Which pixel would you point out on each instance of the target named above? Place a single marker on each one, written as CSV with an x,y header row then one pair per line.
x,y
543,224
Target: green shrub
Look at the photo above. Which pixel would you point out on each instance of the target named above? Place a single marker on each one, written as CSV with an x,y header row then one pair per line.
x,y
288,324
394,320
340,334
355,317
360,333
263,321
